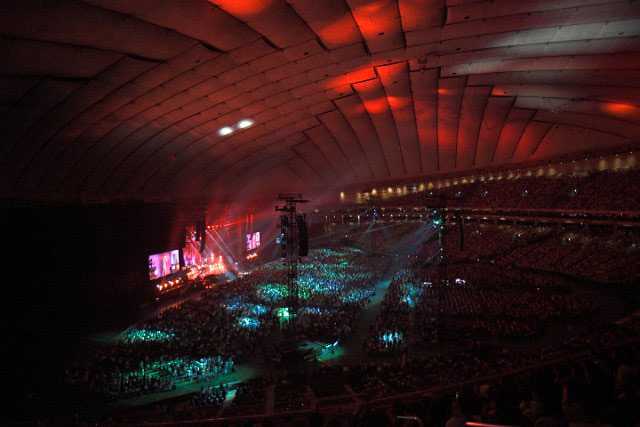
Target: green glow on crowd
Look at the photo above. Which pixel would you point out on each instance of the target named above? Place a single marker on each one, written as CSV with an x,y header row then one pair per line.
x,y
329,284
234,304
329,353
276,292
257,309
410,294
324,352
184,367
391,338
283,313
303,293
354,295
230,395
308,284
238,304
134,336
272,292
248,322
317,311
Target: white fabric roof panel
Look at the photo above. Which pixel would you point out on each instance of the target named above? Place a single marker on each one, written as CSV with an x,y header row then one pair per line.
x,y
356,115
331,151
397,87
603,124
424,86
580,140
495,8
339,128
419,14
472,111
124,99
274,19
47,140
25,114
197,19
316,160
630,78
76,23
495,114
450,94
52,59
512,131
375,104
531,137
331,20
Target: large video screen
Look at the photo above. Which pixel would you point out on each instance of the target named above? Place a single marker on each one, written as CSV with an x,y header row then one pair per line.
x,y
253,241
163,264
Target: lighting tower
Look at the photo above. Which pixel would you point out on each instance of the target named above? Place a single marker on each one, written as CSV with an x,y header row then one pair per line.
x,y
438,224
437,219
293,244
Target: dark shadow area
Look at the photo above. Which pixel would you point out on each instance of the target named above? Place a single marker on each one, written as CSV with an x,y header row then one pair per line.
x,y
70,271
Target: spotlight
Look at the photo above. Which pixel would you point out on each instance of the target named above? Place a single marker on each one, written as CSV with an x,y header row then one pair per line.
x,y
245,123
225,131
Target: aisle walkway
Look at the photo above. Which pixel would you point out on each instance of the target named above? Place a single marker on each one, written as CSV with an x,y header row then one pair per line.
x,y
353,350
399,252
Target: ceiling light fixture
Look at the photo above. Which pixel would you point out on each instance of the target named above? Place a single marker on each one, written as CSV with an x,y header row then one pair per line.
x,y
245,123
224,131
242,124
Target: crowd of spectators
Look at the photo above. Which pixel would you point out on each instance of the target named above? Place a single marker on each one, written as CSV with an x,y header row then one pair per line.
x,y
590,379
487,241
473,319
290,396
249,399
473,301
210,396
603,255
206,337
602,191
595,253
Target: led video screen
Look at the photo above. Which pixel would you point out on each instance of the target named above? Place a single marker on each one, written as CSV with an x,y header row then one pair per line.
x,y
163,264
253,241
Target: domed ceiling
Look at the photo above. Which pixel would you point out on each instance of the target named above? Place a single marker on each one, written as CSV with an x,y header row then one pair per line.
x,y
165,99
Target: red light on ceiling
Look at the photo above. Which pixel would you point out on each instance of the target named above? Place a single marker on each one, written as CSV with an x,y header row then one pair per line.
x,y
398,101
376,106
371,8
243,8
619,108
375,18
353,76
339,32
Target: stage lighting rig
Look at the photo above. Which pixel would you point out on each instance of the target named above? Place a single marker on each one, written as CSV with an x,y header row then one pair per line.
x,y
437,219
